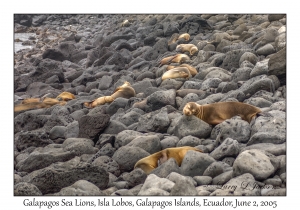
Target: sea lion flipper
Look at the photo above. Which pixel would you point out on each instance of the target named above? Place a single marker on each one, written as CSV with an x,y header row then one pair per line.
x,y
88,104
163,158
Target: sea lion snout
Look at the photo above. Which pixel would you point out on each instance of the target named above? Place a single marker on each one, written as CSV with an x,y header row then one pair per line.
x,y
187,110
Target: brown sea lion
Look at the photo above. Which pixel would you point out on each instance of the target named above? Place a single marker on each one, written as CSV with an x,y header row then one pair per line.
x,y
178,58
216,113
179,72
151,162
34,104
65,96
123,91
30,100
192,70
191,48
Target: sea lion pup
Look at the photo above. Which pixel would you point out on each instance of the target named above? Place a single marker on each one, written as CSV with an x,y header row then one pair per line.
x,y
65,96
184,36
178,58
151,162
192,70
123,91
216,113
191,48
179,72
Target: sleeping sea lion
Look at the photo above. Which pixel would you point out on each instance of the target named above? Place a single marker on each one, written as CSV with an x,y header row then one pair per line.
x,y
176,37
191,48
184,36
216,113
179,72
44,102
192,70
151,162
123,91
178,58
65,96
34,104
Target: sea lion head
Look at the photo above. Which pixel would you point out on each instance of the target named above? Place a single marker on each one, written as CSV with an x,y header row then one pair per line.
x,y
178,48
126,83
193,50
184,58
190,108
185,36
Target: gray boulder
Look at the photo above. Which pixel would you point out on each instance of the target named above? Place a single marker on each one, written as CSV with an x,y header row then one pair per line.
x,y
228,148
62,174
156,186
195,163
150,143
80,188
254,162
127,156
26,189
154,121
166,168
243,185
191,125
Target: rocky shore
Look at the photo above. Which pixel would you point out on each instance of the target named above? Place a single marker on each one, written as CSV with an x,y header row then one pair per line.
x,y
73,150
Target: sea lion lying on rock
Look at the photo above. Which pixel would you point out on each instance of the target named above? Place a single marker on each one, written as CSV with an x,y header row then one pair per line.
x,y
176,37
151,162
38,103
123,91
192,49
178,72
178,58
216,113
192,70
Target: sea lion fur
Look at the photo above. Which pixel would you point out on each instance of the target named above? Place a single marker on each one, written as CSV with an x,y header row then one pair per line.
x,y
151,162
216,113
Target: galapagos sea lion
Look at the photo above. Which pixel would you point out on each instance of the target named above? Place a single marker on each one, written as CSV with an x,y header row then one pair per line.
x,y
30,100
178,58
173,38
191,48
34,104
65,96
123,91
179,72
192,70
125,23
184,36
151,162
216,113
176,37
